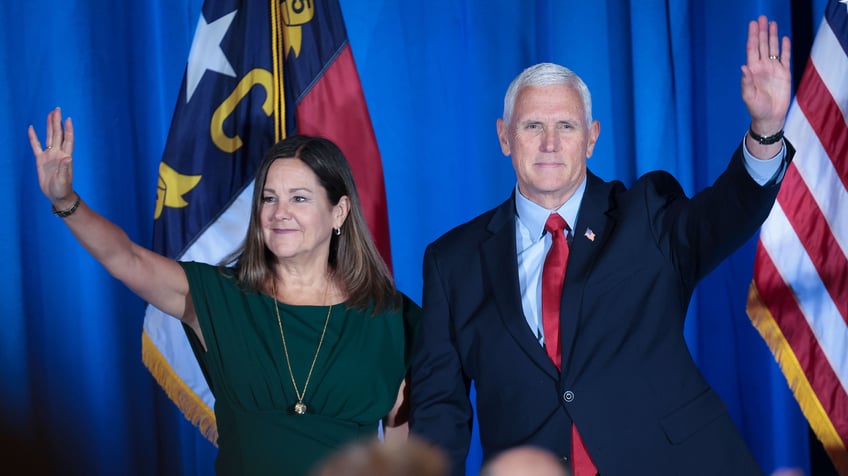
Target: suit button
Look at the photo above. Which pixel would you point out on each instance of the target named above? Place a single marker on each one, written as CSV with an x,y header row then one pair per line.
x,y
568,396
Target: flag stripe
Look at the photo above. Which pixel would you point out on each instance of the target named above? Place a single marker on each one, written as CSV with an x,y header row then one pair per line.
x,y
333,103
792,267
814,234
828,56
825,117
823,172
824,134
825,400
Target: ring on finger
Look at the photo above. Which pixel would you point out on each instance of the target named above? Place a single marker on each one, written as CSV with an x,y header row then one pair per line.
x,y
774,57
48,147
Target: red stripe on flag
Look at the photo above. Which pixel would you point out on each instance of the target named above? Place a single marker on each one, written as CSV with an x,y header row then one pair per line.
x,y
812,229
826,119
782,305
335,108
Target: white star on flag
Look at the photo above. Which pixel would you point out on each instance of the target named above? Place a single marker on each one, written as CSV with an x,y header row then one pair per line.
x,y
206,52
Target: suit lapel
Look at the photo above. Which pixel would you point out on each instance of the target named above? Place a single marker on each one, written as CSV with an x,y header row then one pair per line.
x,y
501,268
594,225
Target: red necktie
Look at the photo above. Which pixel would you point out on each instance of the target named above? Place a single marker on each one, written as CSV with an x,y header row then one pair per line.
x,y
553,277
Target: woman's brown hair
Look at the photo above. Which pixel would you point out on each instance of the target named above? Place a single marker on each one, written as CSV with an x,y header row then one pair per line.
x,y
353,259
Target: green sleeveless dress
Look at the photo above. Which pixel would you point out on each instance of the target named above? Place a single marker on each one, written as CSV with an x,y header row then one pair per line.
x,y
354,383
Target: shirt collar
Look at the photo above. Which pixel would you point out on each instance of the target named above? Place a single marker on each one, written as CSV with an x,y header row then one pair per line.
x,y
534,216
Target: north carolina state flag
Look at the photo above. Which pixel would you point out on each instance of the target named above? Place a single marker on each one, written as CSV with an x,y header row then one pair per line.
x,y
257,71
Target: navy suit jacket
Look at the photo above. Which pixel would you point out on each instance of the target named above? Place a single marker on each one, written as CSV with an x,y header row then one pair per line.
x,y
628,380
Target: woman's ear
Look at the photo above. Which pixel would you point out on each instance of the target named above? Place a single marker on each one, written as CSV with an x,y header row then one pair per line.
x,y
341,211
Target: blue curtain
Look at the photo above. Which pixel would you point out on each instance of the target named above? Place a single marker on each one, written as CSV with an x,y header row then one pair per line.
x,y
665,78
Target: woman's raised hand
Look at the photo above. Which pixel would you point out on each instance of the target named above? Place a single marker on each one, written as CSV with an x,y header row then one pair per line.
x,y
53,160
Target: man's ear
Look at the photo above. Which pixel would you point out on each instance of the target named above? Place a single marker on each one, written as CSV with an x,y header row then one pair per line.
x,y
503,136
594,132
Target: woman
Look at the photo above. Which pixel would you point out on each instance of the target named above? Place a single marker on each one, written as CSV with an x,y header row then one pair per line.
x,y
303,336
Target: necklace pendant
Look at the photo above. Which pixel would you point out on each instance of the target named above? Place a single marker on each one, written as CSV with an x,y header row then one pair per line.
x,y
300,408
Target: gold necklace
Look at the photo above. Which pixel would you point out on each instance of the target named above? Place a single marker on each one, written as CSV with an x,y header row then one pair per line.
x,y
299,407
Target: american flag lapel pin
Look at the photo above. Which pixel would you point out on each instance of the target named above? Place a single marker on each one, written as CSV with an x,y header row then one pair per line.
x,y
589,234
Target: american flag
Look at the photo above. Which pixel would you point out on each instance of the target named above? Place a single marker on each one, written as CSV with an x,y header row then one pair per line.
x,y
798,299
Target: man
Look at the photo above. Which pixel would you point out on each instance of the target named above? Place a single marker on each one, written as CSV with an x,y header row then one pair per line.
x,y
593,367
525,461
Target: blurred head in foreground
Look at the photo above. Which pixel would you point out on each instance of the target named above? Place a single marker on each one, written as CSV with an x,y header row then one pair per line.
x,y
373,457
525,461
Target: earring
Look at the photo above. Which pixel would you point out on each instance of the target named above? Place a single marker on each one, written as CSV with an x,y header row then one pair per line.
x,y
338,231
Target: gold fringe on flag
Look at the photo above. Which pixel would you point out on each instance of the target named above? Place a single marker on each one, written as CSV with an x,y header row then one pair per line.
x,y
807,399
195,410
